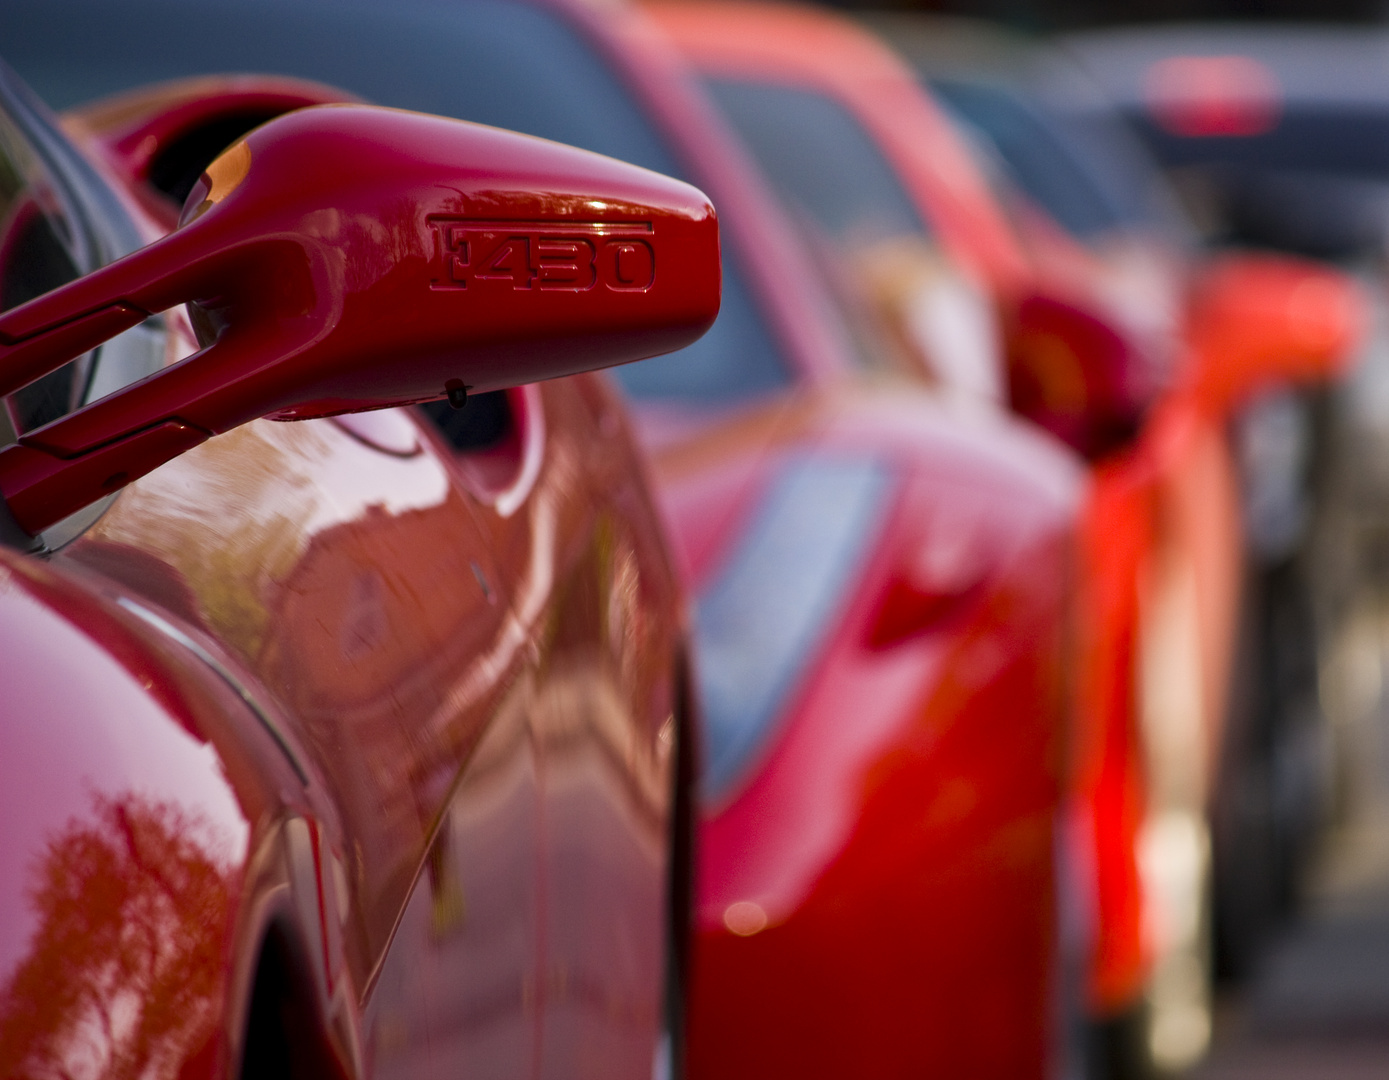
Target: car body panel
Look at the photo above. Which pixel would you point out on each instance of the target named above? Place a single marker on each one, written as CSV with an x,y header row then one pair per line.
x,y
114,773
775,834
1123,497
904,796
813,885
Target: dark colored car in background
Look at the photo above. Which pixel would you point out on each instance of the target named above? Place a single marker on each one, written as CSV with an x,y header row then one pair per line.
x,y
1274,137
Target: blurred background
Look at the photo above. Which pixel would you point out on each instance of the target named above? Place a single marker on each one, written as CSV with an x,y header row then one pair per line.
x,y
1312,999
1071,14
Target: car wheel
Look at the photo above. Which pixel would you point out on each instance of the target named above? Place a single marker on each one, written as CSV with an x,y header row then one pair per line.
x,y
284,1035
1169,1028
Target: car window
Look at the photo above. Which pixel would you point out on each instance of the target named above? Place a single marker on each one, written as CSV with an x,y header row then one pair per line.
x,y
1037,157
58,220
1337,137
511,65
820,160
36,255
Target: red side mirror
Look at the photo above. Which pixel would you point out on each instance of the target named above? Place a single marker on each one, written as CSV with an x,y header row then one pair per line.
x,y
1261,319
1072,374
345,258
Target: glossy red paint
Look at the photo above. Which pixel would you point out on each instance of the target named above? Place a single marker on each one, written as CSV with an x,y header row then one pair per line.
x,y
298,301
109,770
1055,305
1166,561
876,890
1164,556
1262,320
354,736
1071,373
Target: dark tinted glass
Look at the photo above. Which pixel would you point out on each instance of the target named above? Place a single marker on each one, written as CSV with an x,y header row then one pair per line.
x,y
820,160
1037,157
506,64
35,256
735,359
510,65
1316,183
1327,138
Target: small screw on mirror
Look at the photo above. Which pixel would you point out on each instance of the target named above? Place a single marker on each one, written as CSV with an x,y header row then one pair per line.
x,y
457,392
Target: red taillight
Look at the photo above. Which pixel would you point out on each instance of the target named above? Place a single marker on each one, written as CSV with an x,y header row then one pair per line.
x,y
1205,96
1072,374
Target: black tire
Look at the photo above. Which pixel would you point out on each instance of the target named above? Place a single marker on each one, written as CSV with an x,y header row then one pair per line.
x,y
680,899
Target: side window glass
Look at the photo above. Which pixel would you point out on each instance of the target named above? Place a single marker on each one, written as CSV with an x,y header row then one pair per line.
x,y
36,255
820,160
45,243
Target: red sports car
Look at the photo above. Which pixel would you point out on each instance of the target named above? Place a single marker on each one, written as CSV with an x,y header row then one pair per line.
x,y
1140,359
355,745
881,579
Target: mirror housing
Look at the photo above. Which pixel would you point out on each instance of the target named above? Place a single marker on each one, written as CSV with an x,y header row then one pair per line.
x,y
158,139
1073,375
1256,320
344,258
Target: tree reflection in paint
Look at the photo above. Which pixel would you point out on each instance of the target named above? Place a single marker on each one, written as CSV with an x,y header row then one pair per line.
x,y
124,974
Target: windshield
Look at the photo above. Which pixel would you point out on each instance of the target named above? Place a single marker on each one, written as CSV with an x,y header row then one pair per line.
x,y
820,160
1315,182
910,309
510,65
1037,157
1335,138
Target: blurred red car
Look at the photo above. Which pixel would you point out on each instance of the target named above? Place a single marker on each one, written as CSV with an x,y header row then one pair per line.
x,y
1102,345
355,745
881,582
1273,135
1304,454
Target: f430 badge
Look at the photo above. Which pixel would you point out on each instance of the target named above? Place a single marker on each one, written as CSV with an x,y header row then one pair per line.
x,y
543,255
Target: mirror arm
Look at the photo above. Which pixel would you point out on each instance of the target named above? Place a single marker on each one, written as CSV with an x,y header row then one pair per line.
x,y
41,489
12,534
27,359
57,469
42,335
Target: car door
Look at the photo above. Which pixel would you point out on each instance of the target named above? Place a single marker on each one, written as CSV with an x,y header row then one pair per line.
x,y
344,569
